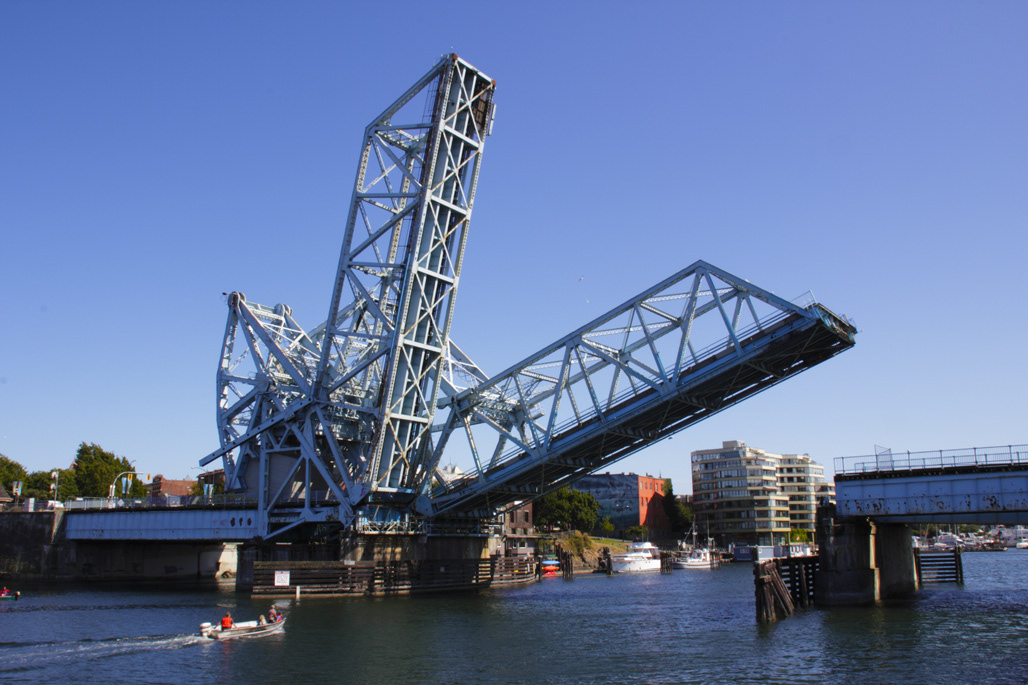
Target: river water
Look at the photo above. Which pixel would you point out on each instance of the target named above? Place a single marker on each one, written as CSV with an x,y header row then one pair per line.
x,y
686,627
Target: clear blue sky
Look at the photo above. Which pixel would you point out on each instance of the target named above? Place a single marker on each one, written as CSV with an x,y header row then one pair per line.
x,y
154,155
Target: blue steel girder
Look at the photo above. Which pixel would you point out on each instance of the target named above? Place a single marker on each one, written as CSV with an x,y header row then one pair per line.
x,y
993,494
175,524
685,349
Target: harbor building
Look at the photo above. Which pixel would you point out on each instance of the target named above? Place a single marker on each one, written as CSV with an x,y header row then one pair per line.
x,y
518,532
748,496
629,500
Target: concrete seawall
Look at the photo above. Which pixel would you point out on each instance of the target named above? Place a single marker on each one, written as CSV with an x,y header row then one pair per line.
x,y
27,548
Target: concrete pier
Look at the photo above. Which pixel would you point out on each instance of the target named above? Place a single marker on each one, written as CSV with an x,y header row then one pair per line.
x,y
861,561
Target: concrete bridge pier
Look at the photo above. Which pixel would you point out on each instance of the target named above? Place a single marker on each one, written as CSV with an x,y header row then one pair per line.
x,y
862,561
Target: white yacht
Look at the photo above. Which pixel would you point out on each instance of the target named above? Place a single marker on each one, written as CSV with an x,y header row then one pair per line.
x,y
641,557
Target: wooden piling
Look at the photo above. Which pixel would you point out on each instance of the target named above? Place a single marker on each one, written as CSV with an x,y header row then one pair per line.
x,y
783,585
665,562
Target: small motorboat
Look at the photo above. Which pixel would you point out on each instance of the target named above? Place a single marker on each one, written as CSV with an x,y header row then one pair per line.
x,y
242,629
10,595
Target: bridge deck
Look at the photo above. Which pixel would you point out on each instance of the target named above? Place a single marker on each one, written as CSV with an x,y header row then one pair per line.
x,y
981,485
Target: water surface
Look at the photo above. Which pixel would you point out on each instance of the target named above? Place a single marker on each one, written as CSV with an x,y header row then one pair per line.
x,y
688,627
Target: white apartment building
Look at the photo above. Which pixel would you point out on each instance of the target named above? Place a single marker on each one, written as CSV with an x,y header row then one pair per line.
x,y
803,480
747,496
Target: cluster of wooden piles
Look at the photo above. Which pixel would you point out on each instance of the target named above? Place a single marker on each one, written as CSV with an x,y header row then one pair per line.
x,y
783,585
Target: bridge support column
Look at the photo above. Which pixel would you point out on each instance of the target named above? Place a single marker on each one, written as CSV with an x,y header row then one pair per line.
x,y
861,561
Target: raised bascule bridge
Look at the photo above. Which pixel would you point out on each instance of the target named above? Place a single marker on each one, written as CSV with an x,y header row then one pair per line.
x,y
375,421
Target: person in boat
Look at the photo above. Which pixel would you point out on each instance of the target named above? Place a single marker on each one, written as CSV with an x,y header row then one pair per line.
x,y
5,592
227,623
262,621
273,614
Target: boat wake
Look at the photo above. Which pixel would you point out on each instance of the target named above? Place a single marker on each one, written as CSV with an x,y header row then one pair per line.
x,y
24,657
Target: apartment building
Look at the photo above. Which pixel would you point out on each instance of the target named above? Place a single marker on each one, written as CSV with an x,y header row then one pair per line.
x,y
748,496
803,480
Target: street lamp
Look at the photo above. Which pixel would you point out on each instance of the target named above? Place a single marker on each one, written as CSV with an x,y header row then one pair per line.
x,y
56,475
110,492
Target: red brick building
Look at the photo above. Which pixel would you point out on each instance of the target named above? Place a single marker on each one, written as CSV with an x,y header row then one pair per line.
x,y
162,487
629,499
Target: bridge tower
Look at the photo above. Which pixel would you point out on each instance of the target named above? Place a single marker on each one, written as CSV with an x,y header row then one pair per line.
x,y
320,424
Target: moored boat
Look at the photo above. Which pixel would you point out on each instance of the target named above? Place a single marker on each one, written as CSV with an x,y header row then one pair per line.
x,y
641,557
693,556
697,558
242,629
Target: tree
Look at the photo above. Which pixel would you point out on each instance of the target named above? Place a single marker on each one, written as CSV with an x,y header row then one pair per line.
x,y
606,527
678,512
799,535
67,488
37,484
96,470
567,508
637,532
10,471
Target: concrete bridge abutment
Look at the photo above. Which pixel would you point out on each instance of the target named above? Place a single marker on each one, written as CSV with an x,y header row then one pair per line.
x,y
862,561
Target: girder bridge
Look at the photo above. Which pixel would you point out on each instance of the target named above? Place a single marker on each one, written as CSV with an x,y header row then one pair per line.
x,y
976,485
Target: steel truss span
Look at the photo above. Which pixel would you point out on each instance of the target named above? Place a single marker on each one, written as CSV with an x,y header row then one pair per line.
x,y
679,352
376,416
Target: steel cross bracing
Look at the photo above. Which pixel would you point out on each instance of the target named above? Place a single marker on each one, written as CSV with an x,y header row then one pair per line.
x,y
338,425
683,350
321,422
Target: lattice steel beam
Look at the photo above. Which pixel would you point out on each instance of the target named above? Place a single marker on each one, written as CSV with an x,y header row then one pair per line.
x,y
683,350
341,415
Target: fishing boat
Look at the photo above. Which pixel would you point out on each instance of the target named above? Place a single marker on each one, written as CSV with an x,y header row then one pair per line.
x,y
641,557
242,629
697,558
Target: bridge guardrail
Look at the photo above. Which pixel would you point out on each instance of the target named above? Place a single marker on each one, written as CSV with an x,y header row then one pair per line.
x,y
163,502
935,459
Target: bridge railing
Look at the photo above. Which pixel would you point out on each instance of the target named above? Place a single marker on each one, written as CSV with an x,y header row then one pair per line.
x,y
935,459
419,526
163,502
